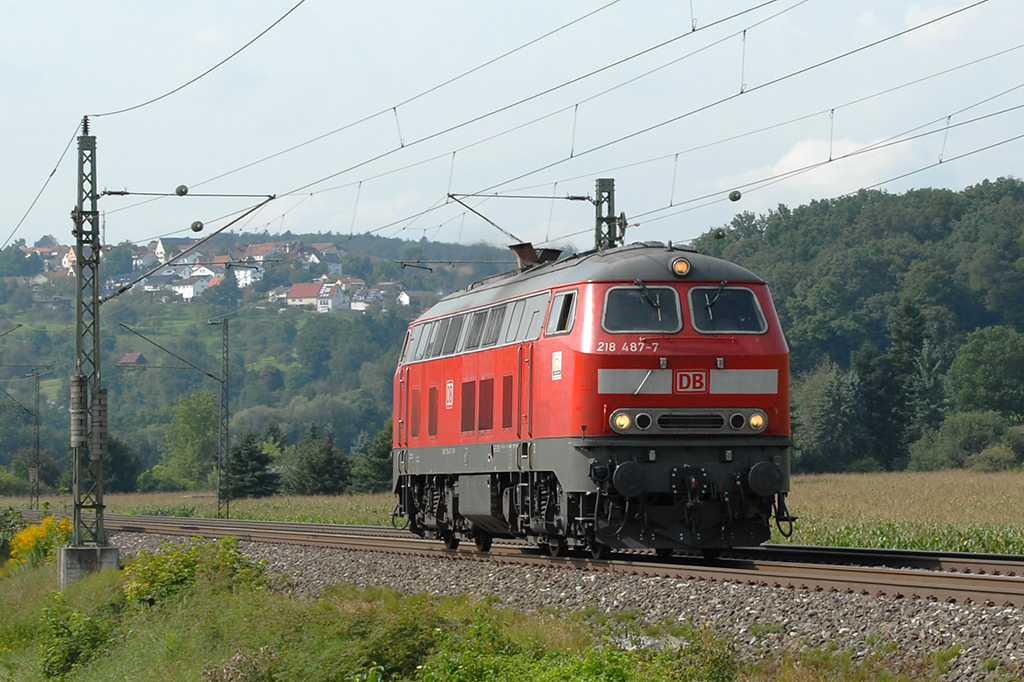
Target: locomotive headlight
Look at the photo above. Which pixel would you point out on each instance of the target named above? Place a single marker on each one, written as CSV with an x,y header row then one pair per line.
x,y
758,421
621,421
680,267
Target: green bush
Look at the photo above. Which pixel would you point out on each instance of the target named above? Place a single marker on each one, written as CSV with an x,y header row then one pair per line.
x,y
10,523
12,486
997,457
161,479
73,638
487,652
927,455
153,578
962,435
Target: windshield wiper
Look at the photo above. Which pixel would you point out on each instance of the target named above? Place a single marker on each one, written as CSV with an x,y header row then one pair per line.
x,y
655,302
708,303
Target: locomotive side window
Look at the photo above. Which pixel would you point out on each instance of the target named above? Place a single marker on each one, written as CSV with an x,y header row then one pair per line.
x,y
432,412
494,321
563,314
407,346
514,321
421,337
452,337
504,323
726,309
527,319
533,317
642,308
486,419
437,337
476,330
468,405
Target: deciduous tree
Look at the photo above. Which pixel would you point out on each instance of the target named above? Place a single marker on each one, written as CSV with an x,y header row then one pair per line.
x,y
987,371
190,448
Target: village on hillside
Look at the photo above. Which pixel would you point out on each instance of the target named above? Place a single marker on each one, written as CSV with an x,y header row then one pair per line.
x,y
161,270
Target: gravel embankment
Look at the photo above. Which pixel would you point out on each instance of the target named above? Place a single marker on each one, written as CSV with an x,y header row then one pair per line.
x,y
762,621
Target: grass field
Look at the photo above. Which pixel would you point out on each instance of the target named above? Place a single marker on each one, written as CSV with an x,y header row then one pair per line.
x,y
950,510
947,510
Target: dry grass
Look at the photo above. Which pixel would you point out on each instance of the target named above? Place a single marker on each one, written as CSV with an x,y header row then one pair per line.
x,y
947,510
372,509
946,497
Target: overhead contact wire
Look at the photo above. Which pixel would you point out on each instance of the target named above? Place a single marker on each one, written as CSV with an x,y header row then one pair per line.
x,y
710,105
798,119
208,71
409,100
43,188
530,98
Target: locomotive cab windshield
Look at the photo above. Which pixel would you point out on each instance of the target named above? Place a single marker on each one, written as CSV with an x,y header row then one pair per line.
x,y
642,308
726,309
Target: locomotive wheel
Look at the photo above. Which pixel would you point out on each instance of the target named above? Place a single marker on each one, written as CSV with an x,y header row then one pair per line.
x,y
557,547
483,542
451,541
599,551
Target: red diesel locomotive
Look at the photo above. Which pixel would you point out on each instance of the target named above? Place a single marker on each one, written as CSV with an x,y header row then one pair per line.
x,y
632,397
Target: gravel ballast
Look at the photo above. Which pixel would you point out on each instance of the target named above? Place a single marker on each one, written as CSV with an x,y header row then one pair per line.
x,y
762,621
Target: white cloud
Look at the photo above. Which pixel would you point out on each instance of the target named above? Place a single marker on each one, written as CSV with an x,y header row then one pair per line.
x,y
824,177
940,31
208,36
868,26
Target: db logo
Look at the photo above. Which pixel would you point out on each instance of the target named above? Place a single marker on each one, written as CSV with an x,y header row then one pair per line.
x,y
692,381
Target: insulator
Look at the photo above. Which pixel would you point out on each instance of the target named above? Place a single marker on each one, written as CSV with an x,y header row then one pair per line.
x,y
98,447
79,415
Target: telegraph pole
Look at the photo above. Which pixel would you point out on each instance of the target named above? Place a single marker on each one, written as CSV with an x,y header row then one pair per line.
x,y
224,441
33,470
88,550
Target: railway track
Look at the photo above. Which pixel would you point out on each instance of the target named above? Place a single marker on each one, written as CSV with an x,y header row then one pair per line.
x,y
949,577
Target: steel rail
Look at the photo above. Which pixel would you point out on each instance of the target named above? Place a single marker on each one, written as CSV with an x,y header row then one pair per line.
x,y
980,579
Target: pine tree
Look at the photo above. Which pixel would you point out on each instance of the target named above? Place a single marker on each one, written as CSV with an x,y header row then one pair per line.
x,y
829,422
371,463
251,475
316,466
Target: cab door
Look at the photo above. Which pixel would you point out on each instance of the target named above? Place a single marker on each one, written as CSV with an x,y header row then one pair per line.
x,y
402,427
524,393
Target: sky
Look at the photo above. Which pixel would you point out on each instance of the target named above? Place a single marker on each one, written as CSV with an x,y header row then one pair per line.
x,y
363,116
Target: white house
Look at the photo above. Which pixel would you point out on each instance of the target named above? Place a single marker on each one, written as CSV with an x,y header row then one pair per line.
x,y
166,247
247,275
330,298
324,298
190,287
143,259
304,294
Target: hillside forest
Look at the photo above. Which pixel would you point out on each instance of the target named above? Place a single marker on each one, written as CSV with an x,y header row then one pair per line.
x,y
904,314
